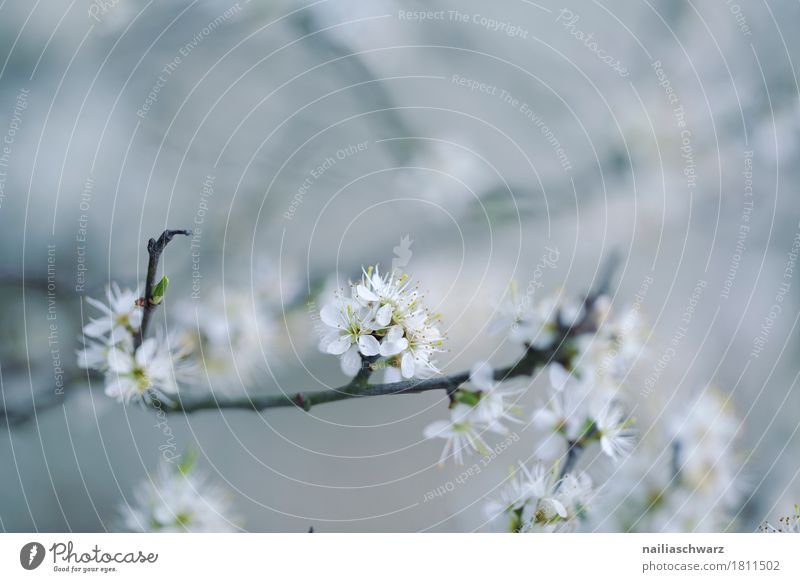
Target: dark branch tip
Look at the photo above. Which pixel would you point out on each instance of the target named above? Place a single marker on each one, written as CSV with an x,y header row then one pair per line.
x,y
301,401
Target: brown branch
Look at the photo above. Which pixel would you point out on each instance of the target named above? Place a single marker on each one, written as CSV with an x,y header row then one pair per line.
x,y
154,249
531,360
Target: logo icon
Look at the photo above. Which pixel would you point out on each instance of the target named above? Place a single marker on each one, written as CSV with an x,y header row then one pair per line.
x,y
31,555
402,253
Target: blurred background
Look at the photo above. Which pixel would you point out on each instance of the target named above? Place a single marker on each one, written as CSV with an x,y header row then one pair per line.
x,y
461,141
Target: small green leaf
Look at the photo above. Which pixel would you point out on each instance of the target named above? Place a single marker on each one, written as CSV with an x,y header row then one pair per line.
x,y
467,397
159,290
187,462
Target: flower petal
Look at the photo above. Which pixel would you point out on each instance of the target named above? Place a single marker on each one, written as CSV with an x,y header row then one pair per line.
x,y
558,376
119,361
98,327
366,294
368,345
389,348
331,315
146,352
482,376
438,428
351,362
394,333
384,316
339,345
407,365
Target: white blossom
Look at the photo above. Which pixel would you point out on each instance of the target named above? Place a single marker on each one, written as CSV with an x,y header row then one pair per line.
x,y
566,410
151,366
473,414
493,406
230,333
620,341
179,498
612,426
788,524
537,500
392,294
109,348
580,412
687,469
416,360
121,315
461,433
535,324
383,318
351,337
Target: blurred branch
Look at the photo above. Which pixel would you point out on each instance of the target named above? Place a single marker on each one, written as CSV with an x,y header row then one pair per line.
x,y
323,42
19,415
531,360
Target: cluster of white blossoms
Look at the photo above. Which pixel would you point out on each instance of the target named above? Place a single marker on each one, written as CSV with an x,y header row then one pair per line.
x,y
689,474
583,406
383,317
581,411
536,324
537,500
179,498
474,412
109,348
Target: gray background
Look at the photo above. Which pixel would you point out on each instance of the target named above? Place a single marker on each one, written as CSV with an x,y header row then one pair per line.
x,y
274,90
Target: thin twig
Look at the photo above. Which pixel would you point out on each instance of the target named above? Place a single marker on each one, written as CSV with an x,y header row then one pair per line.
x,y
154,249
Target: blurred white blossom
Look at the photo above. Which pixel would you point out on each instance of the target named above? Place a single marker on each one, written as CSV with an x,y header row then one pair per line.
x,y
131,372
535,324
179,498
120,315
473,414
152,366
582,413
536,499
